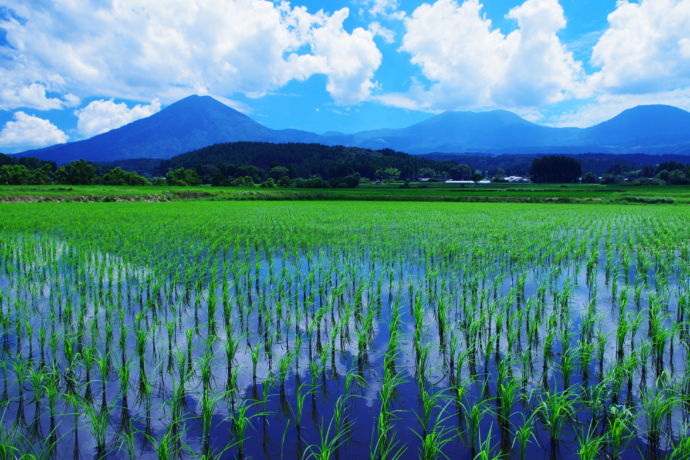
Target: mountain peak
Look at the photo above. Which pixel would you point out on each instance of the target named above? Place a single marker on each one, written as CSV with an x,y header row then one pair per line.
x,y
196,99
654,108
489,116
651,125
643,115
198,103
188,124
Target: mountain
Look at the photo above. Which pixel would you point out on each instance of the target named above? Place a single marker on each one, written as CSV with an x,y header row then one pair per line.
x,y
644,128
188,124
199,121
464,132
652,129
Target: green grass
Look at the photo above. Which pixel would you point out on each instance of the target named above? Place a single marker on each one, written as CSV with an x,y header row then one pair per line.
x,y
539,193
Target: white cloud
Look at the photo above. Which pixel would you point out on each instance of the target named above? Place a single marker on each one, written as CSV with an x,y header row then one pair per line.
x,y
385,33
399,100
26,131
472,64
349,60
138,49
31,96
103,115
386,8
541,69
645,49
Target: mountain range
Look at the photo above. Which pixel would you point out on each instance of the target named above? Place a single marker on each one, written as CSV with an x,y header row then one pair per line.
x,y
198,121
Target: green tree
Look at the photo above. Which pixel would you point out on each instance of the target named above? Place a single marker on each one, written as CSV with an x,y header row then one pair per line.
x,y
460,171
664,175
278,172
500,175
15,175
269,183
670,166
677,177
312,182
118,176
388,174
555,169
207,172
78,172
43,175
257,174
285,182
428,172
182,177
589,178
242,181
220,180
349,181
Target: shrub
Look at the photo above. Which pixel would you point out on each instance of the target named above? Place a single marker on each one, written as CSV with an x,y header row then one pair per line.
x,y
269,183
285,182
350,181
312,182
182,177
118,176
242,181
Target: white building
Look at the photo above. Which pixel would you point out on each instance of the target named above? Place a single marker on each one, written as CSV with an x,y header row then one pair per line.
x,y
516,179
483,181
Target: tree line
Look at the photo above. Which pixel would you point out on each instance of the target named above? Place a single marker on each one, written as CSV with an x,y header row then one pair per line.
x,y
222,163
563,169
242,164
315,166
32,171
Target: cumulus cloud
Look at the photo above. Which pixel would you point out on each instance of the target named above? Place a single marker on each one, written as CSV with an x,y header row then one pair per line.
x,y
31,96
645,49
470,63
27,131
349,60
135,49
103,115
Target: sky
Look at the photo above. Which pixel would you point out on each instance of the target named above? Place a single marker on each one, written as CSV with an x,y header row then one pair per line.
x,y
71,69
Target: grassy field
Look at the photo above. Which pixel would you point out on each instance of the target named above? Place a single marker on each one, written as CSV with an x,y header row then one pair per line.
x,y
202,329
393,192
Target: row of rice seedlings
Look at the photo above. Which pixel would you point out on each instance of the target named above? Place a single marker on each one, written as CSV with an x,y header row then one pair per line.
x,y
318,304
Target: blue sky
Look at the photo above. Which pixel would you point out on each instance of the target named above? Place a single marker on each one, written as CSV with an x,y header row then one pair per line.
x,y
72,69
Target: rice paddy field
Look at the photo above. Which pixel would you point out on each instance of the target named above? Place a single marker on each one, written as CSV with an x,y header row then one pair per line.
x,y
427,191
344,330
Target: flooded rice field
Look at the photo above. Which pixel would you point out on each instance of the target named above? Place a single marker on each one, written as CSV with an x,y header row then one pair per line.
x,y
344,330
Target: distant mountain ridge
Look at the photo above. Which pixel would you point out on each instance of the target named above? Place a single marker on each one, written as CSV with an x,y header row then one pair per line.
x,y
656,129
200,121
188,124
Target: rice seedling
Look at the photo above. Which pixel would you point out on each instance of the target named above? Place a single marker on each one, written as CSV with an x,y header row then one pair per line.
x,y
186,319
620,428
556,409
525,433
590,443
472,414
241,422
658,405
